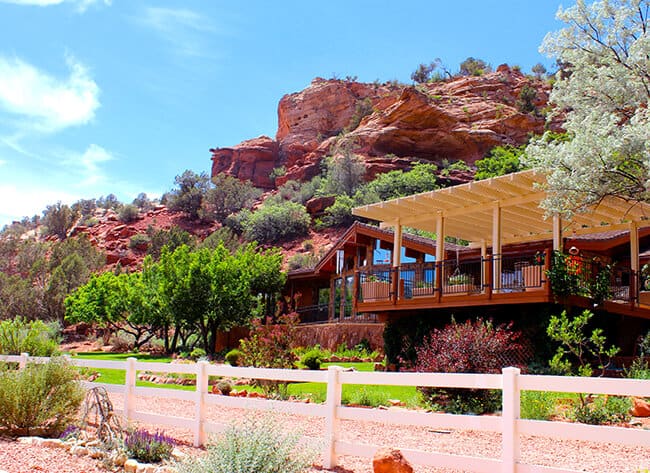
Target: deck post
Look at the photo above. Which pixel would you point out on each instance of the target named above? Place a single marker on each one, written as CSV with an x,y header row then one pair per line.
x,y
496,247
557,233
634,262
484,272
355,292
397,260
487,265
440,253
548,262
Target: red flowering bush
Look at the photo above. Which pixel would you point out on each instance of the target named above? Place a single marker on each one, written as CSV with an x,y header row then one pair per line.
x,y
475,346
269,346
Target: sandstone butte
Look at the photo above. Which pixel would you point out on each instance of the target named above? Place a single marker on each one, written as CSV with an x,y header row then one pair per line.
x,y
462,118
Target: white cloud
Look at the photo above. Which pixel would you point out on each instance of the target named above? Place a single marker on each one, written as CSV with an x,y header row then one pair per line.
x,y
47,103
80,5
182,28
86,166
17,202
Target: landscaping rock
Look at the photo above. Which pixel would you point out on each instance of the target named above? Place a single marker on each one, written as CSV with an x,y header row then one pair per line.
x,y
177,454
79,451
131,466
390,460
27,440
640,408
52,443
119,459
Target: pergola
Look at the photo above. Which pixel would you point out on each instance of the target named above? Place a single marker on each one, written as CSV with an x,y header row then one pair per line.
x,y
502,210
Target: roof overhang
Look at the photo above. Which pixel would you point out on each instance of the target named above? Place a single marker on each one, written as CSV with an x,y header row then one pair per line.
x,y
468,211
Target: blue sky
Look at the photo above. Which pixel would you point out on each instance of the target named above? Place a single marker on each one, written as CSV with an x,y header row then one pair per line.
x,y
117,96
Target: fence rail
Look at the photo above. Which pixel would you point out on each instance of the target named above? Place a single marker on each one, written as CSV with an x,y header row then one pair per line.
x,y
509,424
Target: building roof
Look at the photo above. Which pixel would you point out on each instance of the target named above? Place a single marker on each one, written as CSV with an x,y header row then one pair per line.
x,y
468,210
420,243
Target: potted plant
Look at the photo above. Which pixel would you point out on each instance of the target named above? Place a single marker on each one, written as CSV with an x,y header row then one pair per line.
x,y
374,288
457,283
422,288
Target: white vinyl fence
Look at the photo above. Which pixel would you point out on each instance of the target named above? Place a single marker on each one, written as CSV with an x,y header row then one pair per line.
x,y
509,424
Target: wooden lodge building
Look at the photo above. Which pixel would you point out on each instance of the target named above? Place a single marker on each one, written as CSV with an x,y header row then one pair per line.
x,y
516,258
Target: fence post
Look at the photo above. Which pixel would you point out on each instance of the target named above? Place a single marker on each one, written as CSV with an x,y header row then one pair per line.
x,y
24,358
199,413
129,388
509,417
331,420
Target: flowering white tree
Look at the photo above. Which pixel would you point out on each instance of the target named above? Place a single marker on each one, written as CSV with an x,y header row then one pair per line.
x,y
603,89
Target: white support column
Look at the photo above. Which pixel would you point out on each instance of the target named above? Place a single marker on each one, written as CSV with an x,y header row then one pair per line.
x,y
634,247
557,233
510,414
440,238
484,280
397,244
129,388
496,246
332,422
199,412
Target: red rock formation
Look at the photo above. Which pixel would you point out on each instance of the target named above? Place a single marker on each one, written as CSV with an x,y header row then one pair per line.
x,y
390,460
459,119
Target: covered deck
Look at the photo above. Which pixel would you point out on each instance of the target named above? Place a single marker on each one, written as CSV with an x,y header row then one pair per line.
x,y
511,246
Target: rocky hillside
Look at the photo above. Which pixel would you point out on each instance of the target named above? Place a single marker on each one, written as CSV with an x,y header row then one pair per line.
x,y
389,125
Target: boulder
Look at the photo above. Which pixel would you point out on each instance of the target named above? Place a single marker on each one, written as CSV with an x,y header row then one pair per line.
x,y
390,460
131,466
640,408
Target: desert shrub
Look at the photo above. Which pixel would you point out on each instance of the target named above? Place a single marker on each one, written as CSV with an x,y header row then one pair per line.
x,y
474,67
339,214
41,399
366,397
139,240
273,223
344,174
122,342
58,219
225,387
362,109
128,213
302,260
255,446
188,196
197,353
229,195
222,236
311,359
603,410
295,191
148,447
525,100
143,202
233,356
499,161
172,239
36,338
471,347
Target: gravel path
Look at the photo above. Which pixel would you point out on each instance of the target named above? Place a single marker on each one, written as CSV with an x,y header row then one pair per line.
x,y
577,455
581,456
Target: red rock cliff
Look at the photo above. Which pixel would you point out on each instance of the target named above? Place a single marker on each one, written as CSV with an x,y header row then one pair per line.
x,y
462,118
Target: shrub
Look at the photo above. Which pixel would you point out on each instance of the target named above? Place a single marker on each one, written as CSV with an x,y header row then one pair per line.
x,y
229,195
366,397
603,410
474,67
233,356
525,100
58,219
256,446
122,342
312,359
471,347
302,260
36,338
225,387
41,399
274,223
147,447
139,240
197,353
128,213
499,161
339,214
188,196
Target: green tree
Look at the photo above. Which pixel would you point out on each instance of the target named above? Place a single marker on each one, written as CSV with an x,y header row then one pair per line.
x,y
390,185
142,202
58,219
603,92
499,161
526,99
229,195
189,193
474,67
539,70
172,239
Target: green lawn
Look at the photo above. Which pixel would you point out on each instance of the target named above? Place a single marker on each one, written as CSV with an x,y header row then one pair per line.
x,y
352,393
